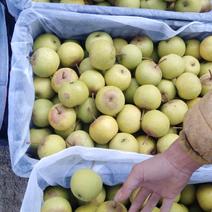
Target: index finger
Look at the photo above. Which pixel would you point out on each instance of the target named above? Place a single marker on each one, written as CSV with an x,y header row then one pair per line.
x,y
166,205
133,181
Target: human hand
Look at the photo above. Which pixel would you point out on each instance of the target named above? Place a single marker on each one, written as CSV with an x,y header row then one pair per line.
x,y
163,176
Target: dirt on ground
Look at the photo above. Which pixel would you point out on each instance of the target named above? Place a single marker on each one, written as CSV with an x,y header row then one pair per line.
x,y
12,188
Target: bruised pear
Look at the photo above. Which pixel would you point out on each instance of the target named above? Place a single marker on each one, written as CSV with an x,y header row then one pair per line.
x,y
73,94
61,76
61,118
110,100
45,62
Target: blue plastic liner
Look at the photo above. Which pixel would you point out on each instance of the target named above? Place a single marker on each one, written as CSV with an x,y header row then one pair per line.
x,y
66,24
4,62
16,6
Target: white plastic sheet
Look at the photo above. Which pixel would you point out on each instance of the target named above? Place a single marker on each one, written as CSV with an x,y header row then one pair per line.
x,y
3,63
16,6
58,169
66,24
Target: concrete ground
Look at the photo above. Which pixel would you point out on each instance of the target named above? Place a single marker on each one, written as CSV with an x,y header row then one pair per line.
x,y
12,188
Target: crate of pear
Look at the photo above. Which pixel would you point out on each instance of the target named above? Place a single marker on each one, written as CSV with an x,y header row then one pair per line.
x,y
175,5
87,192
129,95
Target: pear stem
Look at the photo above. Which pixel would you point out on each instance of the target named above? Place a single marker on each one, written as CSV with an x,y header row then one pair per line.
x,y
162,61
58,110
63,75
210,74
92,114
78,70
142,115
77,122
89,110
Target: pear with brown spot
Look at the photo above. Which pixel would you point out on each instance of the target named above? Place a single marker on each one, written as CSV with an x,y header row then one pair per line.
x,y
111,206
